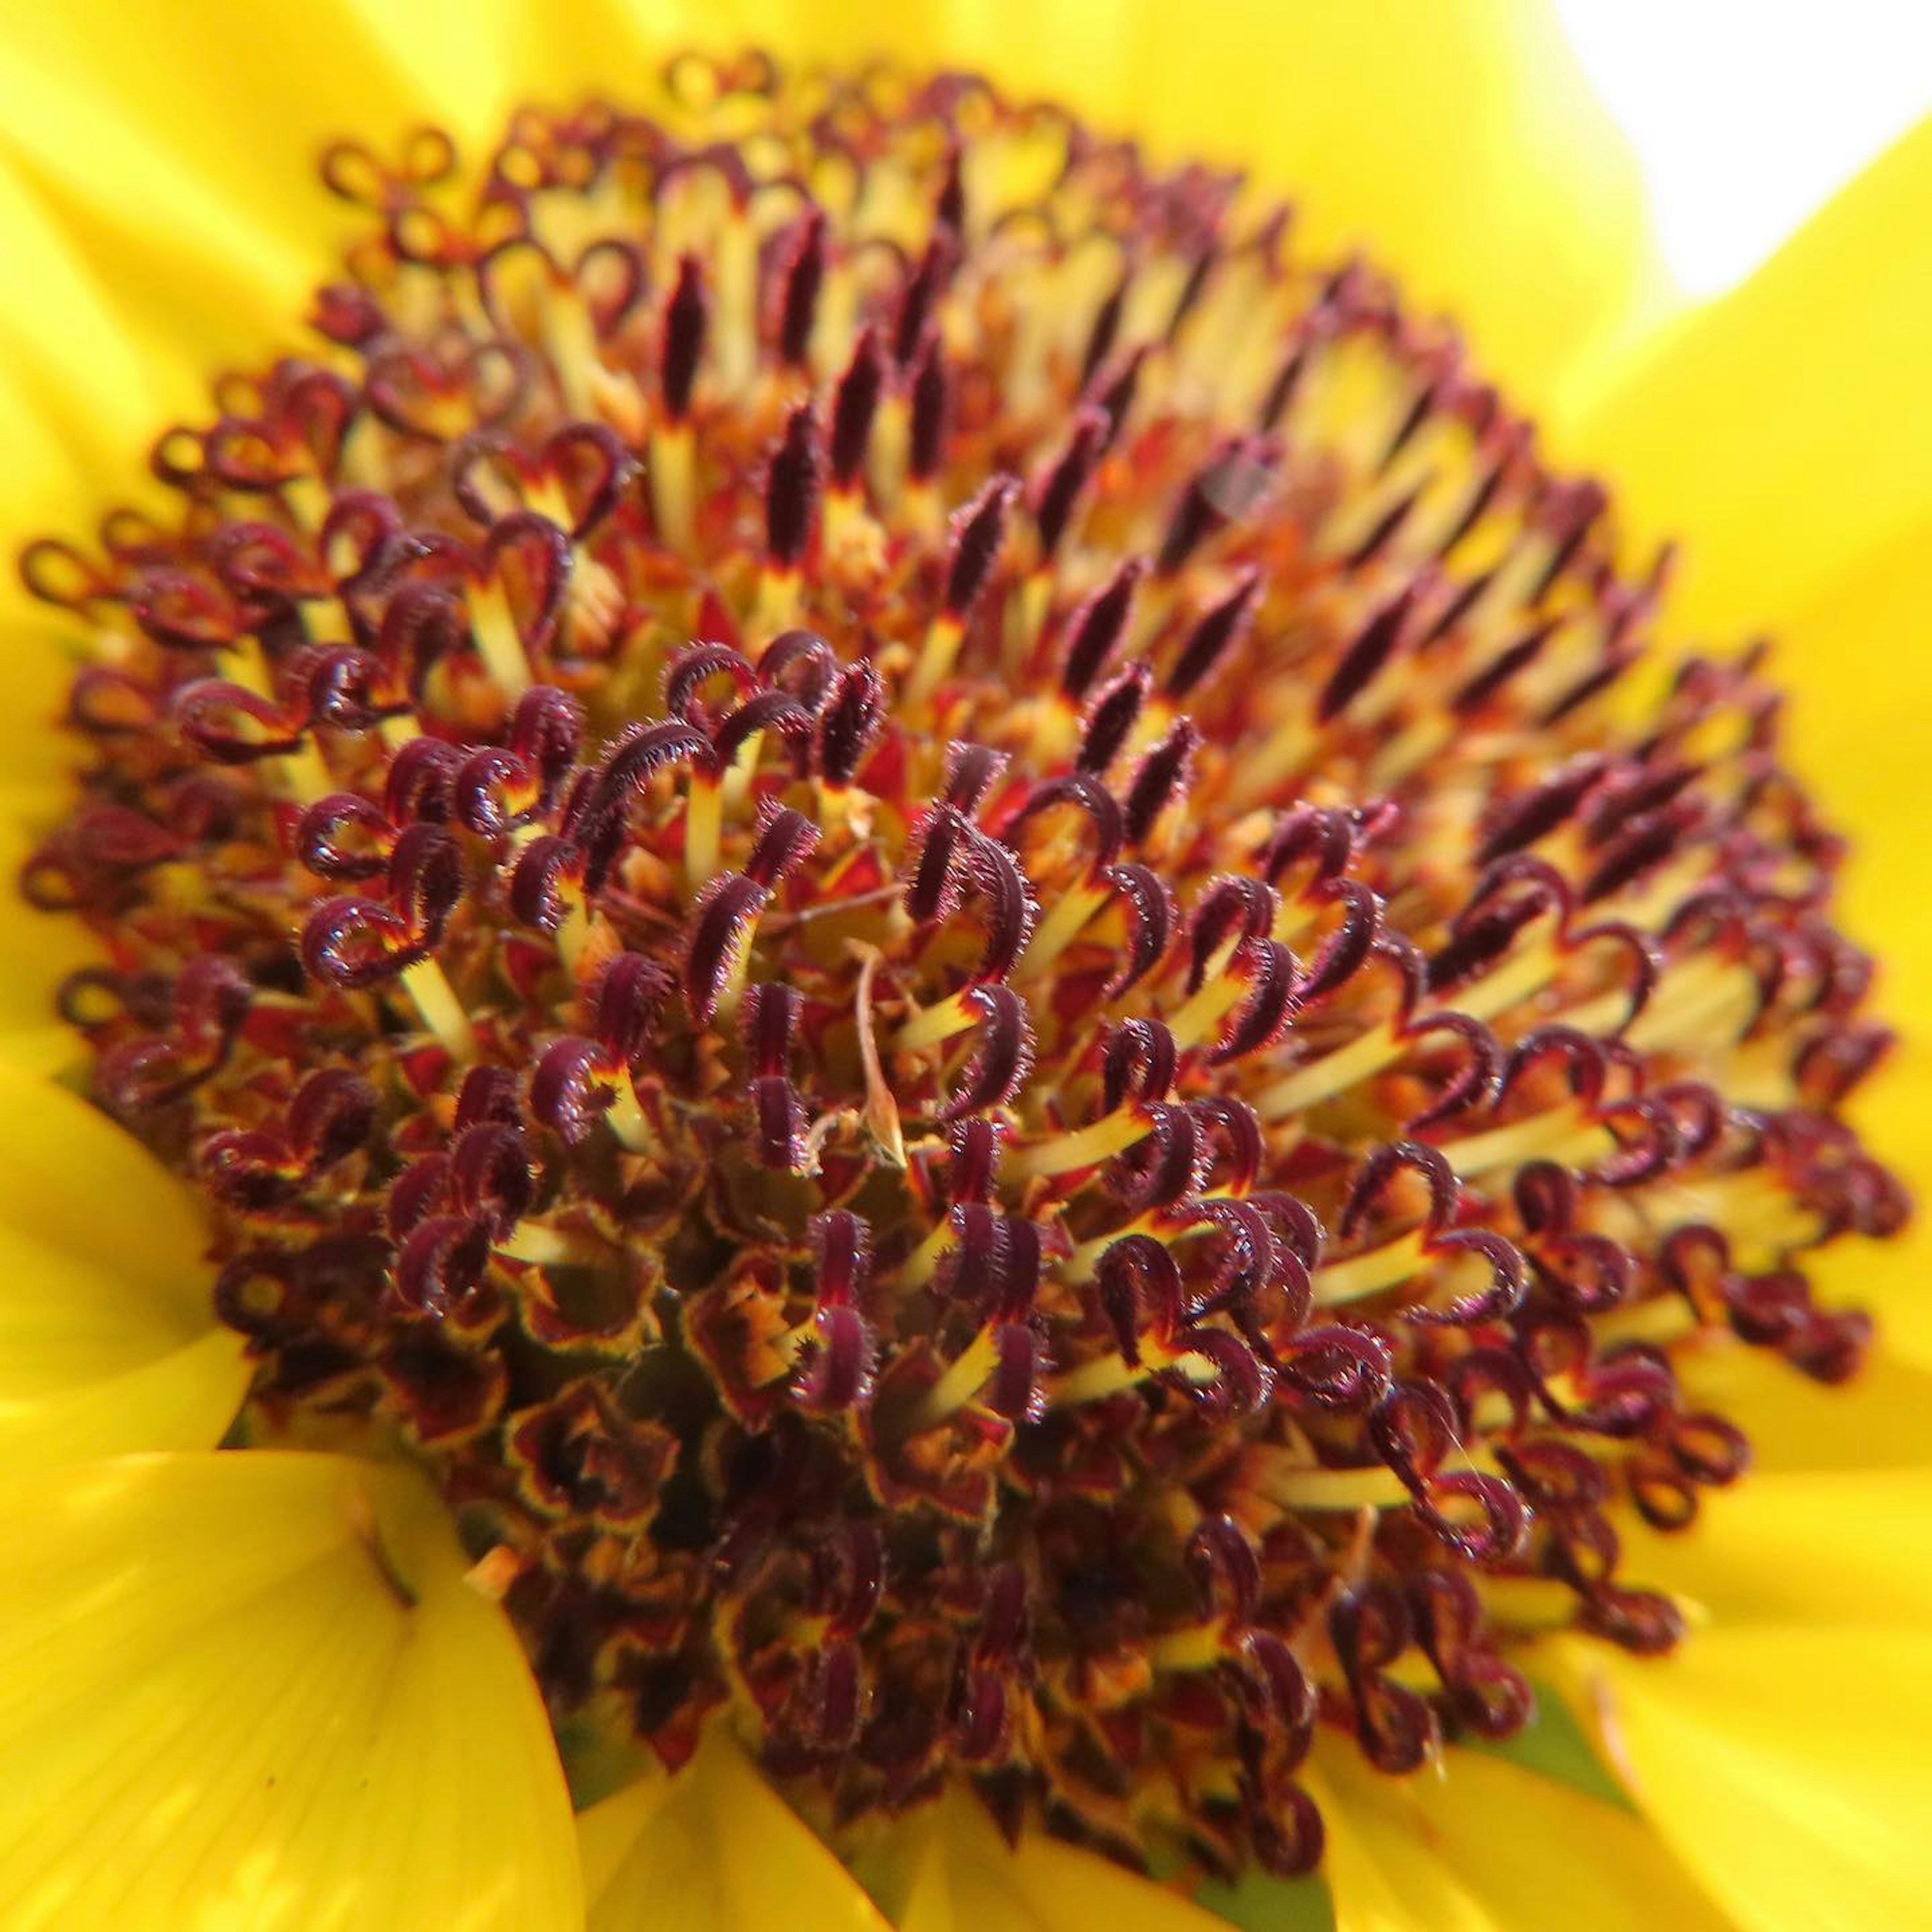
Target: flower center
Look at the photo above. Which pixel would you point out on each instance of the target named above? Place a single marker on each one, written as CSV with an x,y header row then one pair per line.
x,y
943,919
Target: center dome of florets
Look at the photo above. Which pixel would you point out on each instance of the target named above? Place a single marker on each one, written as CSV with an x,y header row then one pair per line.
x,y
947,922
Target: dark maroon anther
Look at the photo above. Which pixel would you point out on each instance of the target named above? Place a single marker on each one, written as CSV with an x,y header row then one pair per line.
x,y
686,316
1097,626
1106,329
209,714
956,855
842,1242
717,933
837,1366
1369,1628
1002,1053
570,1088
926,438
1226,489
629,998
791,489
1522,820
1243,1382
421,781
971,772
1492,678
1112,717
1343,952
1645,844
975,536
933,890
1138,1286
1059,489
547,731
536,878
975,1155
344,837
1477,1081
332,1114
1273,996
488,1094
1287,1834
1383,532
849,720
1151,919
854,406
356,942
923,288
546,561
441,1265
1162,779
425,881
1372,649
1138,1061
1224,1568
1112,392
1337,1370
590,459
1232,911
1017,1387
1513,893
799,282
692,670
1509,1278
1220,626
1086,795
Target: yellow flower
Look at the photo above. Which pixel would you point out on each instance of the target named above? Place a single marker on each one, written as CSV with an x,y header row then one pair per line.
x,y
307,1587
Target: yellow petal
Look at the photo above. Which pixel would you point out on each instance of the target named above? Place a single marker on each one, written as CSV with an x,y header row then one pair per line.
x,y
1826,1547
108,1338
1786,1768
1460,145
1485,1847
1856,733
721,1844
1782,431
953,1872
37,951
219,1712
1878,1421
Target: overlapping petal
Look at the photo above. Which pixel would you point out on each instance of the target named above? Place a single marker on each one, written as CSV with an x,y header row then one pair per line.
x,y
108,1340
721,1842
254,1690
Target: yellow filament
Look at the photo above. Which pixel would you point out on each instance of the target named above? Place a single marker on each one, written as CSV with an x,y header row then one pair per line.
x,y
1369,1272
496,639
704,829
442,1012
920,1266
887,452
936,1023
1561,1135
1198,1647
1332,1073
936,658
673,481
626,1120
547,1247
777,606
1083,1147
1220,993
963,1379
1060,928
571,337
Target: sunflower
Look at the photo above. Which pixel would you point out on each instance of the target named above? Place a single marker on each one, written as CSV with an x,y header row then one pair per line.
x,y
896,1039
